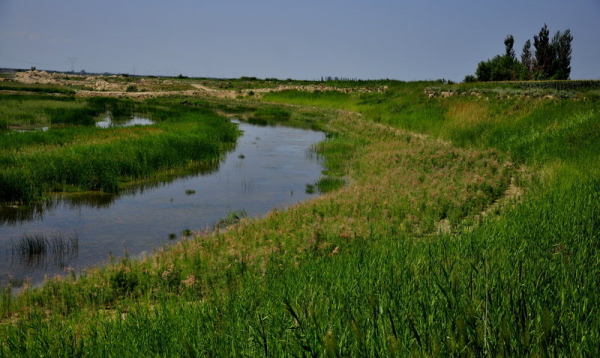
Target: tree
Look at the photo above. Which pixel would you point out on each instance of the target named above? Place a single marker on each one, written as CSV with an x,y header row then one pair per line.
x,y
544,54
552,59
469,79
500,68
561,44
509,42
484,71
527,61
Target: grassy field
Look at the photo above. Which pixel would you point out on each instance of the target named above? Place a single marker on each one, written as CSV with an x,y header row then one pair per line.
x,y
469,226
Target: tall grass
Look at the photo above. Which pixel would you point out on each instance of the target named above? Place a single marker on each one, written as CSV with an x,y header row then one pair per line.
x,y
103,159
28,110
38,110
250,259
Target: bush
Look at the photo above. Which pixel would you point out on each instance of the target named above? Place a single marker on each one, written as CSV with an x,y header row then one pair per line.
x,y
72,116
274,113
469,79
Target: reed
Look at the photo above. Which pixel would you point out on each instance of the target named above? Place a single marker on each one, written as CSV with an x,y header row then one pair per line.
x,y
40,250
104,159
232,218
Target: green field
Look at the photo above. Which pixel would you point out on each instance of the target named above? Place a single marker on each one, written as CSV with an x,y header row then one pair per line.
x,y
469,225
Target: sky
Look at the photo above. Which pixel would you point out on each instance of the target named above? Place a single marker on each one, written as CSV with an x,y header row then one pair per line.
x,y
300,39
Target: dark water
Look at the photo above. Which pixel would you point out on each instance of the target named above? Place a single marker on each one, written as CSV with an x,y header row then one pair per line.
x,y
269,168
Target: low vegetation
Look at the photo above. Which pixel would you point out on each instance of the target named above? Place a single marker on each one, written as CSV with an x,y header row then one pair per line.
x,y
467,226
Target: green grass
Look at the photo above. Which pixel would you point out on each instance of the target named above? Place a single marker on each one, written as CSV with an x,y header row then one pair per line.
x,y
91,158
37,88
272,113
477,236
328,184
33,110
326,99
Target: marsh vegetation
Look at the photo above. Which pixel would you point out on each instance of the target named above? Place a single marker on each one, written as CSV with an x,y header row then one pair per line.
x,y
468,226
77,156
35,251
143,215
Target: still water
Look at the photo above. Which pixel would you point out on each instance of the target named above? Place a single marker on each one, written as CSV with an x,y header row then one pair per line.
x,y
107,122
269,168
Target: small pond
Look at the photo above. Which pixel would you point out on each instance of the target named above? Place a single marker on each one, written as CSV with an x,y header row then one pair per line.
x,y
104,121
269,168
107,122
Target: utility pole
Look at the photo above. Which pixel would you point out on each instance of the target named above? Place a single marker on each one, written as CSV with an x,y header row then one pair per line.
x,y
72,60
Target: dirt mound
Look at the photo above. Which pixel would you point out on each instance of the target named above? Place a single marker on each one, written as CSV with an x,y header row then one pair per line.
x,y
102,85
42,77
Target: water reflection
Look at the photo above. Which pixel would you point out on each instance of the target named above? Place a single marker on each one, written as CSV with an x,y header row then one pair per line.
x,y
29,129
11,215
108,122
18,214
40,251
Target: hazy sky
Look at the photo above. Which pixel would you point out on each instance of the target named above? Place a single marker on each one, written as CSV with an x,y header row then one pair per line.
x,y
301,39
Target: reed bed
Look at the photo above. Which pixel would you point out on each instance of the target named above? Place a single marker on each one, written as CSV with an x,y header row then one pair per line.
x,y
104,159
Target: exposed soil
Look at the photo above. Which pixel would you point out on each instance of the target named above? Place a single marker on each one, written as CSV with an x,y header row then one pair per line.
x,y
124,87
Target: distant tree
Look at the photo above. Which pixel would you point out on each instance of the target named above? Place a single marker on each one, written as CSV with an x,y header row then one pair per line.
x,y
484,71
509,42
500,68
510,66
527,61
552,59
561,44
469,79
544,54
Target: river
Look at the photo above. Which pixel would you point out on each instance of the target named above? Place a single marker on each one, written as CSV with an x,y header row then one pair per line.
x,y
269,168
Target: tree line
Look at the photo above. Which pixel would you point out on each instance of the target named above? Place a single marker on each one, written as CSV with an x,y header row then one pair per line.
x,y
550,60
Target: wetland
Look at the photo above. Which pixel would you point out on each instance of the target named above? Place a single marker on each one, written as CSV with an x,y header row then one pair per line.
x,y
462,220
269,167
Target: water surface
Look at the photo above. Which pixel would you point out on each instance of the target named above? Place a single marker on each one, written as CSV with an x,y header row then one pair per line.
x,y
107,122
269,168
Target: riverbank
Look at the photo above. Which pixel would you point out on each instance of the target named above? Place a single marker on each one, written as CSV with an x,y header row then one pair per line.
x,y
269,167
